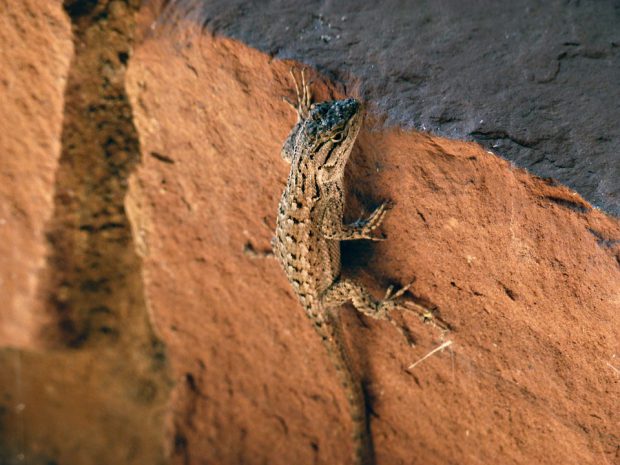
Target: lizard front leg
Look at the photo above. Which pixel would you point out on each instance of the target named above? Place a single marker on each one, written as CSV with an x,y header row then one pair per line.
x,y
332,227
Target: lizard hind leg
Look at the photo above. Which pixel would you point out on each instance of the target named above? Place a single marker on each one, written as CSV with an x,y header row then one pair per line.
x,y
345,290
392,301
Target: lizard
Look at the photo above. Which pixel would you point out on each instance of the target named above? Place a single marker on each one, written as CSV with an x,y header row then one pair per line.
x,y
309,229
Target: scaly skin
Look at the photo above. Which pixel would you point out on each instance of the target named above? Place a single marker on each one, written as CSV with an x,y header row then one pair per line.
x,y
309,230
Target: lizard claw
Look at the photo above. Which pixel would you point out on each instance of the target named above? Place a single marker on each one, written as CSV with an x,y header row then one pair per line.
x,y
376,217
425,315
390,295
304,94
391,301
367,226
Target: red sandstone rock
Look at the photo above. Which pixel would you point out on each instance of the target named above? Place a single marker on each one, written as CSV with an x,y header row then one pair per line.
x,y
524,271
35,53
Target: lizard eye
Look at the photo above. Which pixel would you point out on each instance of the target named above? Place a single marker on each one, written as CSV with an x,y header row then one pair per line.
x,y
338,137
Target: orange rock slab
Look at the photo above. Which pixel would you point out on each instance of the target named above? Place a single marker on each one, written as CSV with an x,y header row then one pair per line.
x,y
35,54
524,271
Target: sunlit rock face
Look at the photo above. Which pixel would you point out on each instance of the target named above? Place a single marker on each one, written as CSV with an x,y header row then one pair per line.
x,y
143,322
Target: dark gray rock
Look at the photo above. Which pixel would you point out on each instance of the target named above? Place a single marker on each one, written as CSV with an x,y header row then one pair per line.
x,y
538,82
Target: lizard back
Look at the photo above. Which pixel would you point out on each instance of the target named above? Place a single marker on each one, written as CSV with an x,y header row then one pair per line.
x,y
318,148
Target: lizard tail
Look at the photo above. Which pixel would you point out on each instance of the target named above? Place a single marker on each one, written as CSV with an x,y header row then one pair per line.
x,y
333,339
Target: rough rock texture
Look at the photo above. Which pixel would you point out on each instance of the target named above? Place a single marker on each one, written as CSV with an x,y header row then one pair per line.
x,y
158,193
536,81
31,91
83,378
524,270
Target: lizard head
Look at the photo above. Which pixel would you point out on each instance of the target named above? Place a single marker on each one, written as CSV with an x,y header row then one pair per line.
x,y
331,129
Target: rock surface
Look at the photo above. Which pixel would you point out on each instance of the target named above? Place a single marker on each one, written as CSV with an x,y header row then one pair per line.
x,y
83,378
534,81
507,259
165,183
31,89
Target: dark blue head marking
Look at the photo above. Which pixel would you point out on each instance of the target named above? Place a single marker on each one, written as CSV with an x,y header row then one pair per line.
x,y
329,118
